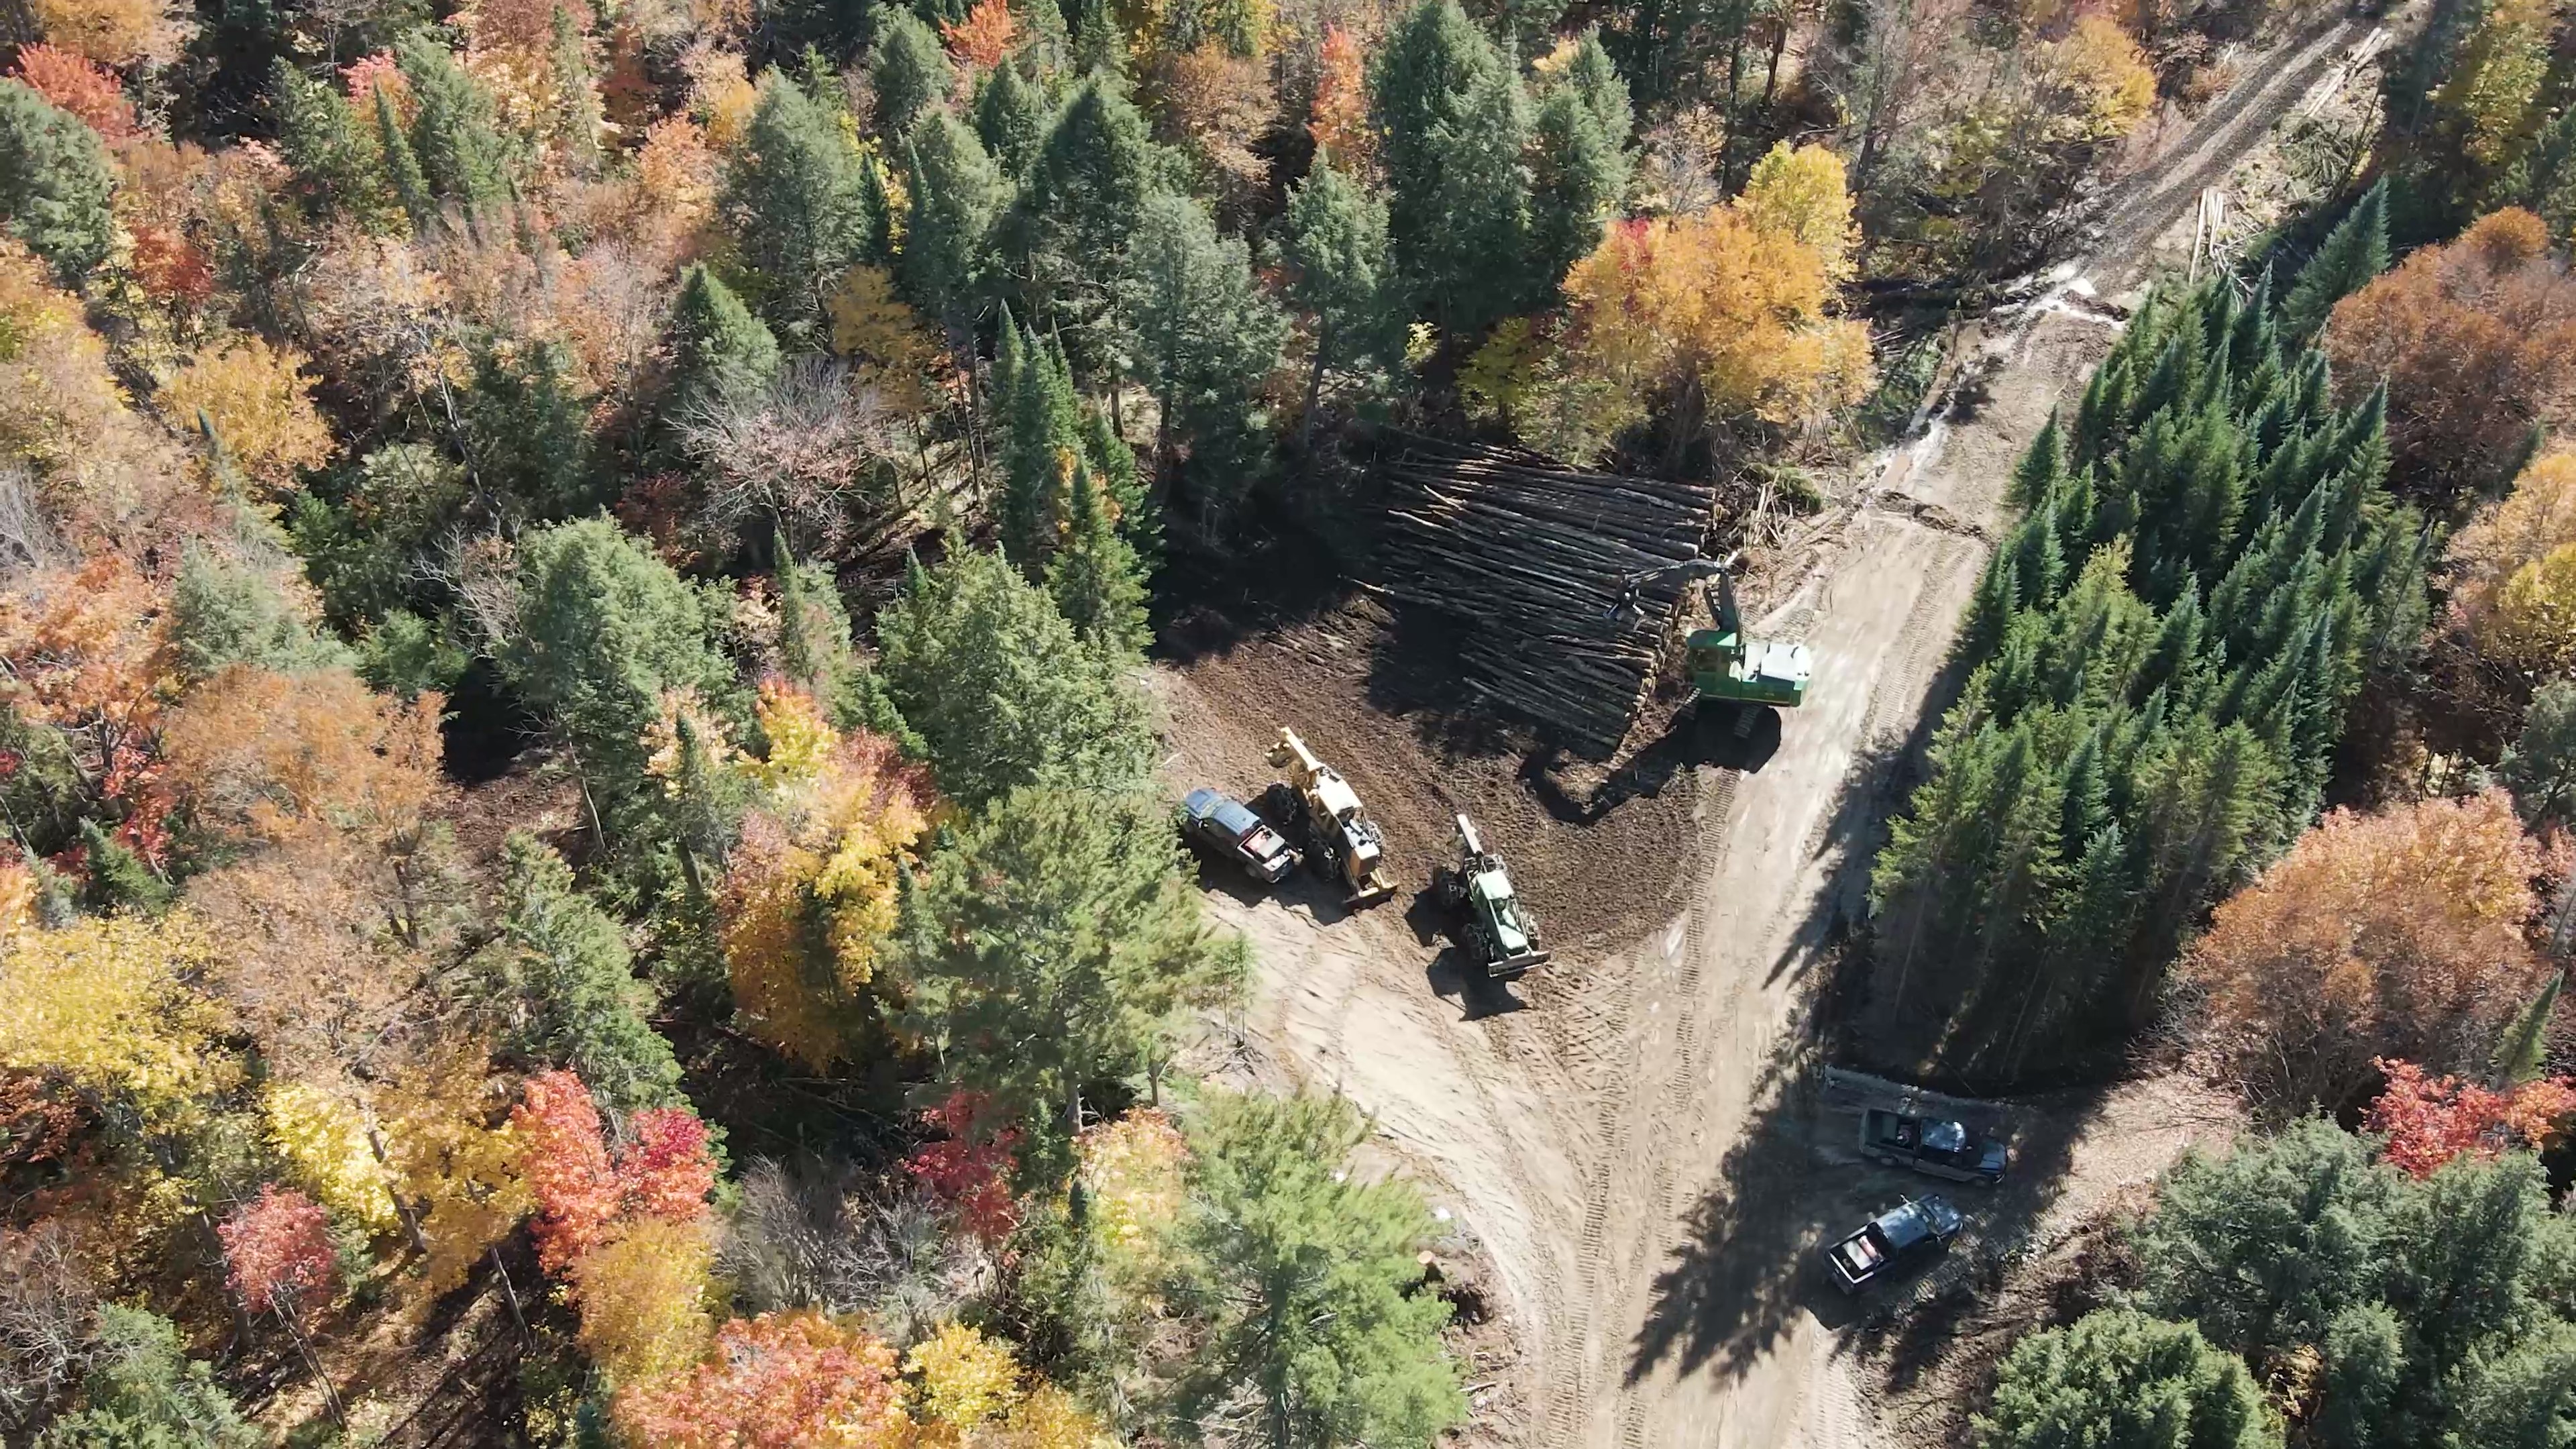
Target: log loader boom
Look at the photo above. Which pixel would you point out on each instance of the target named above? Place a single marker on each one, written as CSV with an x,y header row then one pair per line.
x,y
1342,843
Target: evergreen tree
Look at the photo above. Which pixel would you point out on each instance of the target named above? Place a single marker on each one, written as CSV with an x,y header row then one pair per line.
x,y
1056,948
991,676
453,133
1041,442
226,611
116,878
1099,47
956,194
1304,1273
718,348
2118,1379
1205,339
1010,117
2365,1353
339,167
144,1391
813,627
2522,1053
402,166
2354,252
1339,273
1079,212
1095,578
1140,520
1581,167
576,119
604,629
55,181
562,981
1455,120
798,197
528,430
2540,769
910,69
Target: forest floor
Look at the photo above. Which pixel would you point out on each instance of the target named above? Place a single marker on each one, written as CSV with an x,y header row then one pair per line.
x,y
1642,1136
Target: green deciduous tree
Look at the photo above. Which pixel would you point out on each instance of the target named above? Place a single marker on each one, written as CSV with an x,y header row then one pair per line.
x,y
910,69
1001,692
1056,946
800,202
1305,1276
2118,1379
561,980
55,181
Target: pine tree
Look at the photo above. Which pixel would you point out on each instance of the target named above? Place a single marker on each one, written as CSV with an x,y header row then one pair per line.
x,y
813,627
453,133
1205,338
528,430
1010,117
1339,274
2354,252
55,180
339,167
798,194
719,349
561,978
1303,1272
2540,769
1041,444
1095,578
909,68
2523,1051
576,119
1140,520
991,676
1581,170
2118,1377
144,1392
1455,120
1079,212
402,166
956,194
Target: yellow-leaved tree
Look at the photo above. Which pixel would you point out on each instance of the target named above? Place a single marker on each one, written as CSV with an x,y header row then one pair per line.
x,y
644,1298
1715,318
971,1390
1131,1178
809,896
457,1170
324,1141
261,408
109,1006
2507,540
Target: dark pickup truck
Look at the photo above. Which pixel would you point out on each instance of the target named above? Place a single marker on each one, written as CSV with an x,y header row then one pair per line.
x,y
1909,1230
1932,1146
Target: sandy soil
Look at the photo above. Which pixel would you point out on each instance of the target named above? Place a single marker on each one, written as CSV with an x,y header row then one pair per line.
x,y
1640,1135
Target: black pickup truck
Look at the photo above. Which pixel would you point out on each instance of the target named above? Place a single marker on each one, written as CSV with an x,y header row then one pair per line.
x,y
1932,1146
1894,1238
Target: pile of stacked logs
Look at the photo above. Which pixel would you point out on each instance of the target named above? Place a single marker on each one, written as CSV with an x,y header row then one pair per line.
x,y
1535,558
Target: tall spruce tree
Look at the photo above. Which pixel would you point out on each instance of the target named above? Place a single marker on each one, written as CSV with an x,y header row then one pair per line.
x,y
1580,159
402,165
1205,337
1078,214
1041,444
799,199
948,248
453,130
562,982
982,665
339,166
1454,120
55,182
2206,569
1010,117
910,70
1341,275
2122,1380
718,348
2354,252
1095,578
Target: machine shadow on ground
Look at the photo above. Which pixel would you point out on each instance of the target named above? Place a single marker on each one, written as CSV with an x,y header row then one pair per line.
x,y
1300,889
1751,1260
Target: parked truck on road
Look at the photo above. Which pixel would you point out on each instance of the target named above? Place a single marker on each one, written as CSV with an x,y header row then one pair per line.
x,y
1933,1146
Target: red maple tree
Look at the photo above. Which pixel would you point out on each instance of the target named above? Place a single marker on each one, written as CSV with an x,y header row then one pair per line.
x,y
2430,1120
779,1381
667,1170
277,1250
970,1169
984,38
583,1194
79,85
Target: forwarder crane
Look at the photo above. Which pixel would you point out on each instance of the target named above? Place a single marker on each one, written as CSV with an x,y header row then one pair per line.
x,y
1341,842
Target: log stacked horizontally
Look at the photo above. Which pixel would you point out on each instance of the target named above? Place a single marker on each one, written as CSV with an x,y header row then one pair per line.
x,y
1532,557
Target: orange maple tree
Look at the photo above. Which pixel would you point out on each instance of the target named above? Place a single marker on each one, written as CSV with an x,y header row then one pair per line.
x,y
985,37
779,1381
584,1195
87,653
1340,121
2399,934
2430,1120
2477,342
79,85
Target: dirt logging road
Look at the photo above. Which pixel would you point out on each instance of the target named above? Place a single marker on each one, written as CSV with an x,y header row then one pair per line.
x,y
1639,1139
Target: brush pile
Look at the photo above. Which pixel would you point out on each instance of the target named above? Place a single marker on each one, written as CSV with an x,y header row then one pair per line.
x,y
1536,559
